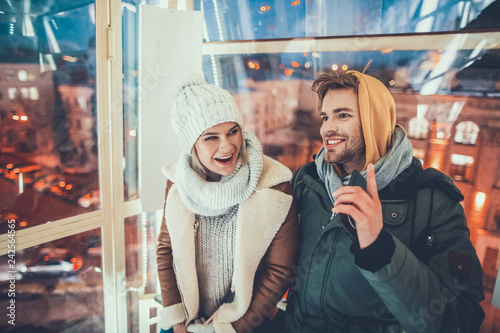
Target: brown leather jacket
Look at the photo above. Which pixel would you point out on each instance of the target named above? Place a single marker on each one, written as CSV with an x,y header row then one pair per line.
x,y
269,253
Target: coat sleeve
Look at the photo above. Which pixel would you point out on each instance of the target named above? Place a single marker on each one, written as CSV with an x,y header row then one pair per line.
x,y
275,273
173,309
443,294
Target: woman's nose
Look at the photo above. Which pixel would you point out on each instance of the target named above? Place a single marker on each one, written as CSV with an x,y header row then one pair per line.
x,y
224,145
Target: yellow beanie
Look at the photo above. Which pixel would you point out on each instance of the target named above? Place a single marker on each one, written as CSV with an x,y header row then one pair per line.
x,y
378,116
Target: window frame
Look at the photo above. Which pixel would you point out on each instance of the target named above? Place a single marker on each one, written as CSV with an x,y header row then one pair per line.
x,y
110,218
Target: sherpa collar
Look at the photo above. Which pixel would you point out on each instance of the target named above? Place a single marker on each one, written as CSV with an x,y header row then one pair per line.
x,y
259,219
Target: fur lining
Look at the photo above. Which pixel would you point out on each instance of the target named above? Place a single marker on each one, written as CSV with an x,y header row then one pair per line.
x,y
171,315
258,220
223,327
180,224
168,170
273,173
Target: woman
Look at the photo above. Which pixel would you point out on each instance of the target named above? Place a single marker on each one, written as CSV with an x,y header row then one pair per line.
x,y
229,235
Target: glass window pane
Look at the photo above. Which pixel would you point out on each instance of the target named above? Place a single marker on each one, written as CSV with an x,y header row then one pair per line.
x,y
48,132
229,20
57,286
279,107
131,93
130,101
141,233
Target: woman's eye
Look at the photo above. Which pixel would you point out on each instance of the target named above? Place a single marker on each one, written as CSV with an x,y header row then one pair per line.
x,y
208,138
234,131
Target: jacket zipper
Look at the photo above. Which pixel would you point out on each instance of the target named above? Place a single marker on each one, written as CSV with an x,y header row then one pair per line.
x,y
327,273
311,183
430,239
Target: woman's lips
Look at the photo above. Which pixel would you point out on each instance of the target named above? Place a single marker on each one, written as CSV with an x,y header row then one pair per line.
x,y
224,160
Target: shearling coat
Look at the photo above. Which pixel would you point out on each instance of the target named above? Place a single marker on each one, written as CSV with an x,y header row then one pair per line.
x,y
266,247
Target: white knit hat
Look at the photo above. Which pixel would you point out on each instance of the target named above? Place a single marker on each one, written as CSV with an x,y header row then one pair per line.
x,y
199,106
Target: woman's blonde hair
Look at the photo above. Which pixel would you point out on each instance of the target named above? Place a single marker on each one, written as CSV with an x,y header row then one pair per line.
x,y
200,168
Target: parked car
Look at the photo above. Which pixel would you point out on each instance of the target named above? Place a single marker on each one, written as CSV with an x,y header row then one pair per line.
x,y
47,182
93,198
64,190
29,172
50,267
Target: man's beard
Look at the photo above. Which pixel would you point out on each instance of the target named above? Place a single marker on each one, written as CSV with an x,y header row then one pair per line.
x,y
354,153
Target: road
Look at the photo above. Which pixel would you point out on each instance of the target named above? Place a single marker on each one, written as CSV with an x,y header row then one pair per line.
x,y
33,207
59,310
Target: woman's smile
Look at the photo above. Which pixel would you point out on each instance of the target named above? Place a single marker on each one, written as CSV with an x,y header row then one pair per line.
x,y
218,148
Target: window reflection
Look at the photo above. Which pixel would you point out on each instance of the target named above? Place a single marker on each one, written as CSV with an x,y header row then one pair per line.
x,y
12,93
48,112
141,233
466,133
58,287
130,99
461,167
418,128
420,154
229,20
278,105
22,75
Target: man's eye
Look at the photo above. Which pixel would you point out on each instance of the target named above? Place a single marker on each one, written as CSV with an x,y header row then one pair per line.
x,y
324,118
343,115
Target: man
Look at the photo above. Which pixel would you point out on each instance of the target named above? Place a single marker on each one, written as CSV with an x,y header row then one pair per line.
x,y
412,267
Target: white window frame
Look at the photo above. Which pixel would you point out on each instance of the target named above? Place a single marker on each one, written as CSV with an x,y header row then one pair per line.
x,y
110,218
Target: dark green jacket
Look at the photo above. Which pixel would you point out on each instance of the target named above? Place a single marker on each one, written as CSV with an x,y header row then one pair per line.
x,y
421,275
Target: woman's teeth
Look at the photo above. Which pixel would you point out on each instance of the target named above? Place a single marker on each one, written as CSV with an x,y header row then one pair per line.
x,y
224,158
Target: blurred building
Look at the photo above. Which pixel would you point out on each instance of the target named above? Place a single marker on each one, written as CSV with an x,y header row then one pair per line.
x,y
283,116
80,123
459,135
26,104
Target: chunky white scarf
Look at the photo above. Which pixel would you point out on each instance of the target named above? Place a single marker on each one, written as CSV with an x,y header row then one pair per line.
x,y
208,198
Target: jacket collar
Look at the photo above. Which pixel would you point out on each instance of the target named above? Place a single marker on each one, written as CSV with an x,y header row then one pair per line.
x,y
312,180
401,188
404,185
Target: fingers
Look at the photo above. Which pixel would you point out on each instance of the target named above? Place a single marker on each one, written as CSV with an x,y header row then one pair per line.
x,y
200,325
355,197
347,190
371,182
350,210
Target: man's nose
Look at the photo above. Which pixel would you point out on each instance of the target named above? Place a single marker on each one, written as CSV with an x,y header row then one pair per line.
x,y
329,128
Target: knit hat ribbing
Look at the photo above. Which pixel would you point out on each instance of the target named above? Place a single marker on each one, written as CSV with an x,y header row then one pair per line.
x,y
199,106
